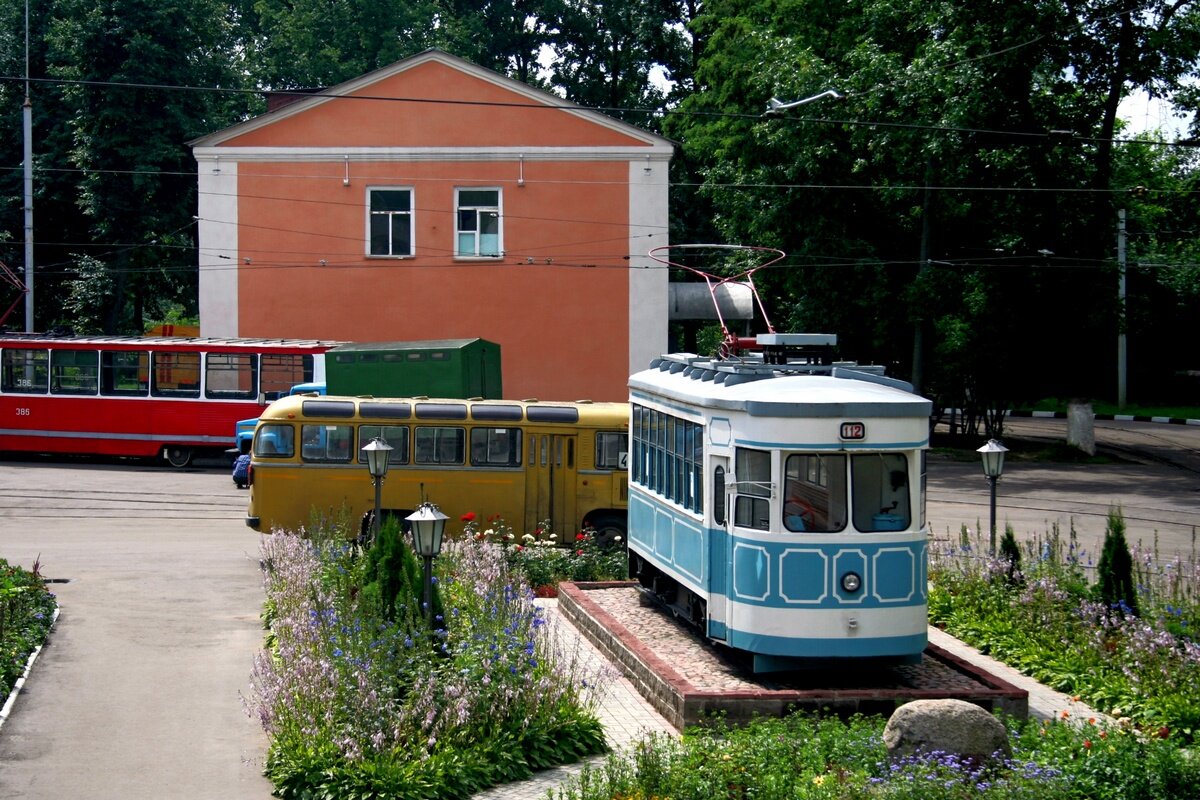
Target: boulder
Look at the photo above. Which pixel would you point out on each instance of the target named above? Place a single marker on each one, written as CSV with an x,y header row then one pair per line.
x,y
945,726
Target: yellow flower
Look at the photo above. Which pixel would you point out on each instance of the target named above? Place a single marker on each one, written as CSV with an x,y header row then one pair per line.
x,y
819,780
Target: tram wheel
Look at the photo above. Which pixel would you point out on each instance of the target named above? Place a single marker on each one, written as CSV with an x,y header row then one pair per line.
x,y
178,457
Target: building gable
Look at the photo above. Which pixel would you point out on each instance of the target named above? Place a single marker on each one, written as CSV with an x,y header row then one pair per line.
x,y
432,100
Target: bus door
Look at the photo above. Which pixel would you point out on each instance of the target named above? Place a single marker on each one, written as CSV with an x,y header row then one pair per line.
x,y
550,483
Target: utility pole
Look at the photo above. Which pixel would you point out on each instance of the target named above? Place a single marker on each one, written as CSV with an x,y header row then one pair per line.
x,y
27,125
1122,374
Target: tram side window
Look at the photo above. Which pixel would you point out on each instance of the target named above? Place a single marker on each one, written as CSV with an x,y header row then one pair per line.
x,y
880,491
124,373
74,371
814,493
436,445
394,436
612,450
718,499
25,371
495,447
326,444
231,376
176,374
752,508
279,372
275,441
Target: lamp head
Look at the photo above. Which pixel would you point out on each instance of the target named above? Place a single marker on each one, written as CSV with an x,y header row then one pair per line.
x,y
377,451
428,524
992,454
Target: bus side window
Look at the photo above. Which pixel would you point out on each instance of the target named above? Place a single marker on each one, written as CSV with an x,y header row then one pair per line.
x,y
275,441
495,447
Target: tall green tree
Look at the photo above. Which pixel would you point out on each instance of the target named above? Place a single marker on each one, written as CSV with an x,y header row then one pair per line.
x,y
956,190
606,51
292,44
129,119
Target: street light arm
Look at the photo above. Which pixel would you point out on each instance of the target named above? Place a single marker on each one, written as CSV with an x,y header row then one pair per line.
x,y
775,105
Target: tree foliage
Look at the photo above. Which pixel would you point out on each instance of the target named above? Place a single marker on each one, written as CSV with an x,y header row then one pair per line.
x,y
954,215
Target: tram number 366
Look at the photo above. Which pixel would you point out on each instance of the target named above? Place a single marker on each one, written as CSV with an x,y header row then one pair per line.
x,y
853,430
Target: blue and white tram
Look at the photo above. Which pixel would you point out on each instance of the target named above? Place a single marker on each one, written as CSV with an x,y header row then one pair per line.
x,y
778,502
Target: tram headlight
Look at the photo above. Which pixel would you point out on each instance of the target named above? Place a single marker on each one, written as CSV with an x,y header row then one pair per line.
x,y
851,582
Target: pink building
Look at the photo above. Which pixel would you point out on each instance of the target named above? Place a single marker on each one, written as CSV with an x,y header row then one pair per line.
x,y
434,199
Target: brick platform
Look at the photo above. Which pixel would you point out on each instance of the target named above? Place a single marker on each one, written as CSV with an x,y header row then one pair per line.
x,y
686,678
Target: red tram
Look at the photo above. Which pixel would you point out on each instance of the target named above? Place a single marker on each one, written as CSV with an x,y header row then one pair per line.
x,y
142,396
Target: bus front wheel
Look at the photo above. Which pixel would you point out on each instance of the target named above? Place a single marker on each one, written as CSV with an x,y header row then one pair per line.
x,y
178,457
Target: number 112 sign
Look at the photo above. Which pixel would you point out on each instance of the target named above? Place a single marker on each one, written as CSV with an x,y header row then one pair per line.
x,y
853,431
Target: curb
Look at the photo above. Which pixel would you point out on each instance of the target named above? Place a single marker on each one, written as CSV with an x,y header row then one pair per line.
x,y
1116,417
16,690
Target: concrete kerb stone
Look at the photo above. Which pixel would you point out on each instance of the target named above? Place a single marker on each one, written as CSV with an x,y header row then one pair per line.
x,y
11,701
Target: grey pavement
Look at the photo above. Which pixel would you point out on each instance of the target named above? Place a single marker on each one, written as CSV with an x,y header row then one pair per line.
x,y
137,694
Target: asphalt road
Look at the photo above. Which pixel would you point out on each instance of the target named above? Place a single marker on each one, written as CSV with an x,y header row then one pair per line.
x,y
138,694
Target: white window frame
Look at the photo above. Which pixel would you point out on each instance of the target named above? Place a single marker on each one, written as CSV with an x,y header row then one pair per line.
x,y
499,211
412,214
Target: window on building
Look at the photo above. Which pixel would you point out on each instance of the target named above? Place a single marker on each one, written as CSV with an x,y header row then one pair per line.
x,y
391,221
477,223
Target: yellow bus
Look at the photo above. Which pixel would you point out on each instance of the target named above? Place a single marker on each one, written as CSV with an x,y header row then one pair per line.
x,y
528,462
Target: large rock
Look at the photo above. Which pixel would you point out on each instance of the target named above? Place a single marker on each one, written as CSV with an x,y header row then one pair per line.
x,y
946,726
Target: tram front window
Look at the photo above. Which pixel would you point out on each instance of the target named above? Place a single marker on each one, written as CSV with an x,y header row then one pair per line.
x,y
881,492
814,499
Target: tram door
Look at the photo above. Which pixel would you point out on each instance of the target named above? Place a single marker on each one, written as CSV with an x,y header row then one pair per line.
x,y
721,546
550,483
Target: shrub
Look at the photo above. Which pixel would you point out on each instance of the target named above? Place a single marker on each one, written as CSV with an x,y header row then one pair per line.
x,y
803,756
1145,669
360,704
26,614
1114,585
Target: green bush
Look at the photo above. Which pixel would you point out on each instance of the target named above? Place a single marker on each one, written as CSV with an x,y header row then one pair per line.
x,y
26,614
826,758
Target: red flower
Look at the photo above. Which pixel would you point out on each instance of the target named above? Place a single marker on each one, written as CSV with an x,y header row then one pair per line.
x,y
1164,732
579,537
469,516
1087,744
580,552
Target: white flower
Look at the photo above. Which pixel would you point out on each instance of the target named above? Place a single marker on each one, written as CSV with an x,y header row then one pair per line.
x,y
528,537
616,538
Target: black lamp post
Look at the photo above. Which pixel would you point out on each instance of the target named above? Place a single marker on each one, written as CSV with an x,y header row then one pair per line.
x,y
993,465
376,452
428,523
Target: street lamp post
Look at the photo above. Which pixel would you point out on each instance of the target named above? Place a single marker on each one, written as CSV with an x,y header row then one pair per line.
x,y
992,454
376,452
428,523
